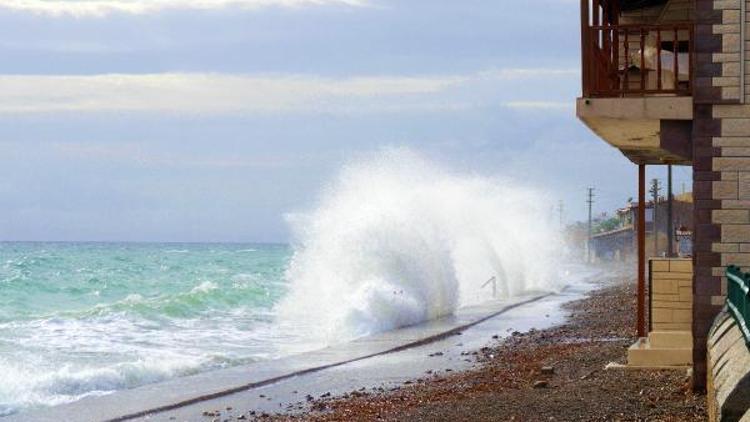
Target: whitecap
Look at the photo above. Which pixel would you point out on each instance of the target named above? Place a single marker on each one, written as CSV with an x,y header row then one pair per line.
x,y
205,287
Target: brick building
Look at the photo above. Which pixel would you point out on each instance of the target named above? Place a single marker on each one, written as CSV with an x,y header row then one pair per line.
x,y
665,82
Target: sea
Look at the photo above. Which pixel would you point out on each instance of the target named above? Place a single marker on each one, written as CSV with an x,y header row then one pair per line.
x,y
82,319
394,240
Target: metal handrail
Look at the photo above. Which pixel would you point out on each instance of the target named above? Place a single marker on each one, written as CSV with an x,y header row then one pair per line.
x,y
738,299
493,280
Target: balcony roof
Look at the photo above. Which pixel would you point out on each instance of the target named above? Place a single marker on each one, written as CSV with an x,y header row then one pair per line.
x,y
647,130
626,5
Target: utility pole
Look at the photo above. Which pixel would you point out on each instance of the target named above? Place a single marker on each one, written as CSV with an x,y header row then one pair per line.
x,y
560,207
670,214
655,194
590,202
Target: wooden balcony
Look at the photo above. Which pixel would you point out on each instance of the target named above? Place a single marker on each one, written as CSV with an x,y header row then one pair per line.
x,y
637,60
637,81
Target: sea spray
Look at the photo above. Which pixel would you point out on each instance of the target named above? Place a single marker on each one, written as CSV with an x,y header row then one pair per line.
x,y
396,240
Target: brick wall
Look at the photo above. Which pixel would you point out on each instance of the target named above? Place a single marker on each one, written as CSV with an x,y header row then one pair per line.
x,y
671,294
721,164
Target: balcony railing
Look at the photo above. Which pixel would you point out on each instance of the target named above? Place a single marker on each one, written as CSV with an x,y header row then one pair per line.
x,y
738,299
637,60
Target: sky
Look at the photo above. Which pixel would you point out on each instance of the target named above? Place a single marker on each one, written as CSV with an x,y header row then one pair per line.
x,y
209,120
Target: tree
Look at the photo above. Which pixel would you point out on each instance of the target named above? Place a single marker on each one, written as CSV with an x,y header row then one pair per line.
x,y
607,225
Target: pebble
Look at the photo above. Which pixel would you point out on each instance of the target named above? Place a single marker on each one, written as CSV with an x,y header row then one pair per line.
x,y
541,384
548,370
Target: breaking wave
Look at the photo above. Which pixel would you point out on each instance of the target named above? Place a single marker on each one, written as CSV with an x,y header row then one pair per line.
x,y
397,240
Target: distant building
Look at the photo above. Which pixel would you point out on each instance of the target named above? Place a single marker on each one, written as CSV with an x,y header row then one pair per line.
x,y
620,243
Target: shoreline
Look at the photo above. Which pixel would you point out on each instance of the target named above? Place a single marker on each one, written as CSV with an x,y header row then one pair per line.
x,y
156,401
552,374
389,372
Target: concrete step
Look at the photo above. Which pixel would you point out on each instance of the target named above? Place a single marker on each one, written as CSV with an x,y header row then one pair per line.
x,y
671,339
644,354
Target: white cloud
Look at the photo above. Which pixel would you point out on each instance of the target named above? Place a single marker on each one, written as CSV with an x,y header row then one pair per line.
x,y
532,72
201,93
83,8
140,154
540,105
206,93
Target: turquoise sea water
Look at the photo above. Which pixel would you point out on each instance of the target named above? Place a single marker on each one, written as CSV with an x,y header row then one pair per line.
x,y
80,319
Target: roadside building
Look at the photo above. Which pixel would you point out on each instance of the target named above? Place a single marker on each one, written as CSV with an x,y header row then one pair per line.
x,y
620,242
665,82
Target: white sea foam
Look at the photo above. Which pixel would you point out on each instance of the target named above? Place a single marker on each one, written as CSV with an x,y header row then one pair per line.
x,y
397,240
28,386
204,287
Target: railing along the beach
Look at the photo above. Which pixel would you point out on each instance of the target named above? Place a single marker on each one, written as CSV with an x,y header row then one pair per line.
x,y
738,298
493,280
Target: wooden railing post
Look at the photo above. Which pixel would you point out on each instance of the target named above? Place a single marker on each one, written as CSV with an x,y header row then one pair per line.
x,y
585,49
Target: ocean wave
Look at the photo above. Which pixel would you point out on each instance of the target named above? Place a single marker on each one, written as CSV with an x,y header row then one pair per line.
x,y
104,317
28,386
204,297
397,240
204,287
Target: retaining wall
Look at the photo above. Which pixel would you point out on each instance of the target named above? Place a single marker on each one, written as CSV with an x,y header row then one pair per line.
x,y
728,371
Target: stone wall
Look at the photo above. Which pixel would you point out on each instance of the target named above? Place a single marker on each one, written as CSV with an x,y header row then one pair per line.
x,y
671,294
728,371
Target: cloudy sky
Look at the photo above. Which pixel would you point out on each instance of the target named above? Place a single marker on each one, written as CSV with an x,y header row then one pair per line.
x,y
189,120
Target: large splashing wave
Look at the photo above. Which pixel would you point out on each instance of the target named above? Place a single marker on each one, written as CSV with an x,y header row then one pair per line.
x,y
397,240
